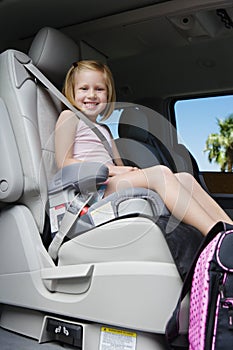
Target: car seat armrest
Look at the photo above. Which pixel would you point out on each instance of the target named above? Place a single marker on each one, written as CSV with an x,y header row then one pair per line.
x,y
83,176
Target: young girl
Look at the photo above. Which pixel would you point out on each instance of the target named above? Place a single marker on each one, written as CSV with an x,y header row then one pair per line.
x,y
89,86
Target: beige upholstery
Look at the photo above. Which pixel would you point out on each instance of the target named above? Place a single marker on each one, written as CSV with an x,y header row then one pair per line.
x,y
34,113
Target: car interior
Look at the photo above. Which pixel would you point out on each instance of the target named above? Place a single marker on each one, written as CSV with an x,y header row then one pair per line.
x,y
112,279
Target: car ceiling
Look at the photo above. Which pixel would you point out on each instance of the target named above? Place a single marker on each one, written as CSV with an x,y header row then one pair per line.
x,y
155,48
116,28
21,19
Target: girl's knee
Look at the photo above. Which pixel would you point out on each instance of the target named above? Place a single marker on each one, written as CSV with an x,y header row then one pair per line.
x,y
163,169
162,173
185,177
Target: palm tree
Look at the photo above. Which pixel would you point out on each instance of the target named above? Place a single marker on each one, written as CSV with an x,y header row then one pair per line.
x,y
220,146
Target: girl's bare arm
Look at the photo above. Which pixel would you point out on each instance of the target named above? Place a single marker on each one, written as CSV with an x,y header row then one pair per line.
x,y
64,138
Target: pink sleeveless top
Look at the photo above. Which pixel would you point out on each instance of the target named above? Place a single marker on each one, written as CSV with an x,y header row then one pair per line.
x,y
88,147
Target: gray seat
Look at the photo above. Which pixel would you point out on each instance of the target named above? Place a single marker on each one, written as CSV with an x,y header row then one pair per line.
x,y
136,145
141,142
119,273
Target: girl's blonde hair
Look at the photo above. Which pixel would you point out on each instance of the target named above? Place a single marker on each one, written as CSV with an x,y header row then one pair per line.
x,y
68,89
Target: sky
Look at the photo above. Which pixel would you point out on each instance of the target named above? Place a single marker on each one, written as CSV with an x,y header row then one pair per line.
x,y
204,113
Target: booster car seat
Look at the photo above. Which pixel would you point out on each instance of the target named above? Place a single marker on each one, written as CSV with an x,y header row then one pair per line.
x,y
117,278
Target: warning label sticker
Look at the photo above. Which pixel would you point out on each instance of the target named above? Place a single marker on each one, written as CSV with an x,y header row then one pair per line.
x,y
116,339
56,215
102,214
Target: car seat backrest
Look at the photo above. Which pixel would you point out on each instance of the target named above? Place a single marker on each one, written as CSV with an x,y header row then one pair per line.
x,y
136,144
33,111
142,141
133,124
53,53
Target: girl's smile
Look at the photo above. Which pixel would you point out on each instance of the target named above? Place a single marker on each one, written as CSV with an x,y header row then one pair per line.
x,y
90,93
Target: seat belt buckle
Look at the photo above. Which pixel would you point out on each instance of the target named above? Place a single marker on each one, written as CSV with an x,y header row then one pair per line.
x,y
78,204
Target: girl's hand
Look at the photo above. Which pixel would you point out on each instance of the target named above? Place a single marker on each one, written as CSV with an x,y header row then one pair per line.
x,y
117,170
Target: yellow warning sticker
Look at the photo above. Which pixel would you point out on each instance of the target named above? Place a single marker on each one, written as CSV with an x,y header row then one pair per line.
x,y
117,339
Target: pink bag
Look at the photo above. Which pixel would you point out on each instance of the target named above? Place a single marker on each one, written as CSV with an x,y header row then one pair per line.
x,y
199,299
210,280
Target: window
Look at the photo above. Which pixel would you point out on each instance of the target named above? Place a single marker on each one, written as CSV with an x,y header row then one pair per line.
x,y
113,121
196,119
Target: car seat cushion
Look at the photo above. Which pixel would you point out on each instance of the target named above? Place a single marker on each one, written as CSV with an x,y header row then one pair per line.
x,y
125,203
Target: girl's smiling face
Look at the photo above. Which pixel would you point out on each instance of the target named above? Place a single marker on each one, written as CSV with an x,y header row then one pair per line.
x,y
90,92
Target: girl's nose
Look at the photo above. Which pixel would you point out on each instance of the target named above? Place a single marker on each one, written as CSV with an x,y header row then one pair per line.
x,y
92,93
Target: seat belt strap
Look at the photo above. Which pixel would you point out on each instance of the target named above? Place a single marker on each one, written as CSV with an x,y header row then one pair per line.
x,y
72,213
41,77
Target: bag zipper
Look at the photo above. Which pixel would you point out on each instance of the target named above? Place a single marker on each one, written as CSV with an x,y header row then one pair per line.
x,y
227,303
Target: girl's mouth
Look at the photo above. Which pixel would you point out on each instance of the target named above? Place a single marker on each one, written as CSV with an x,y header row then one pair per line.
x,y
90,105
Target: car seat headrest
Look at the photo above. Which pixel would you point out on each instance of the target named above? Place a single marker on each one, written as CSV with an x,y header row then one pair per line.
x,y
53,53
133,124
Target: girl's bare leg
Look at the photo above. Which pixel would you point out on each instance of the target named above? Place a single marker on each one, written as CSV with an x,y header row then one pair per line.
x,y
177,198
201,196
